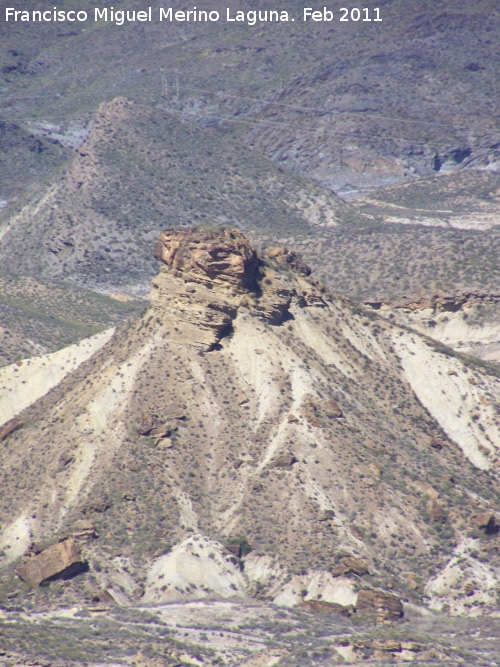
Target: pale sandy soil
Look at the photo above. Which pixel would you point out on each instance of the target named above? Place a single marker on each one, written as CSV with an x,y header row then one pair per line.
x,y
455,397
24,382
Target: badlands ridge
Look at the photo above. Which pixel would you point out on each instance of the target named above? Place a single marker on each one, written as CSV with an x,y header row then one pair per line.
x,y
252,436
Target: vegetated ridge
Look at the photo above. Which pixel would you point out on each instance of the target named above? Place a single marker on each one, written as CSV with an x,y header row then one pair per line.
x,y
137,169
354,105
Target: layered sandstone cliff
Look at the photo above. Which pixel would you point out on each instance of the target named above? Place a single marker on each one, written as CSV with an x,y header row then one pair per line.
x,y
207,276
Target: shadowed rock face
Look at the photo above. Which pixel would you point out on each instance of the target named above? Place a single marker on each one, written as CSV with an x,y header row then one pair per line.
x,y
224,257
60,560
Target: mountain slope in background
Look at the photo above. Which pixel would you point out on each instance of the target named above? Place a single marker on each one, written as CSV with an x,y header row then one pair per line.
x,y
351,104
41,317
26,160
139,169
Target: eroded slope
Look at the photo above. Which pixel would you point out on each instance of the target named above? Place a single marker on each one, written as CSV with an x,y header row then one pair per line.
x,y
248,408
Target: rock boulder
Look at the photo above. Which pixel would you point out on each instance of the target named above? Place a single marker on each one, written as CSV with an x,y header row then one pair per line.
x,y
62,560
386,606
321,606
285,461
223,256
10,427
287,257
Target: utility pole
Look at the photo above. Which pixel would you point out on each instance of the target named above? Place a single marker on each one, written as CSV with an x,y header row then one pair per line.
x,y
164,84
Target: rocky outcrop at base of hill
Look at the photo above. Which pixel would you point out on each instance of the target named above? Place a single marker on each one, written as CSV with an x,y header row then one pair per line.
x,y
385,606
60,560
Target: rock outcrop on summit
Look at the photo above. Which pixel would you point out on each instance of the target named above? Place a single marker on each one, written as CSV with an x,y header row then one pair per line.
x,y
207,276
210,258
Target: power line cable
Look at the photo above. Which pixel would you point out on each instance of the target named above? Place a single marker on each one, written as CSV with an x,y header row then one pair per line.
x,y
274,125
271,124
314,109
317,110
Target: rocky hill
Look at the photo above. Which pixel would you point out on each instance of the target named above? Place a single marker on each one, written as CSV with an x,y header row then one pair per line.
x,y
253,437
212,453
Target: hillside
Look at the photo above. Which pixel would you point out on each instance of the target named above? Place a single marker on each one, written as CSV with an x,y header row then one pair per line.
x,y
353,105
26,160
137,169
39,317
333,452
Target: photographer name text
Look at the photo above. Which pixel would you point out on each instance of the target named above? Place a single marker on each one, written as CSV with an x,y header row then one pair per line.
x,y
121,17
